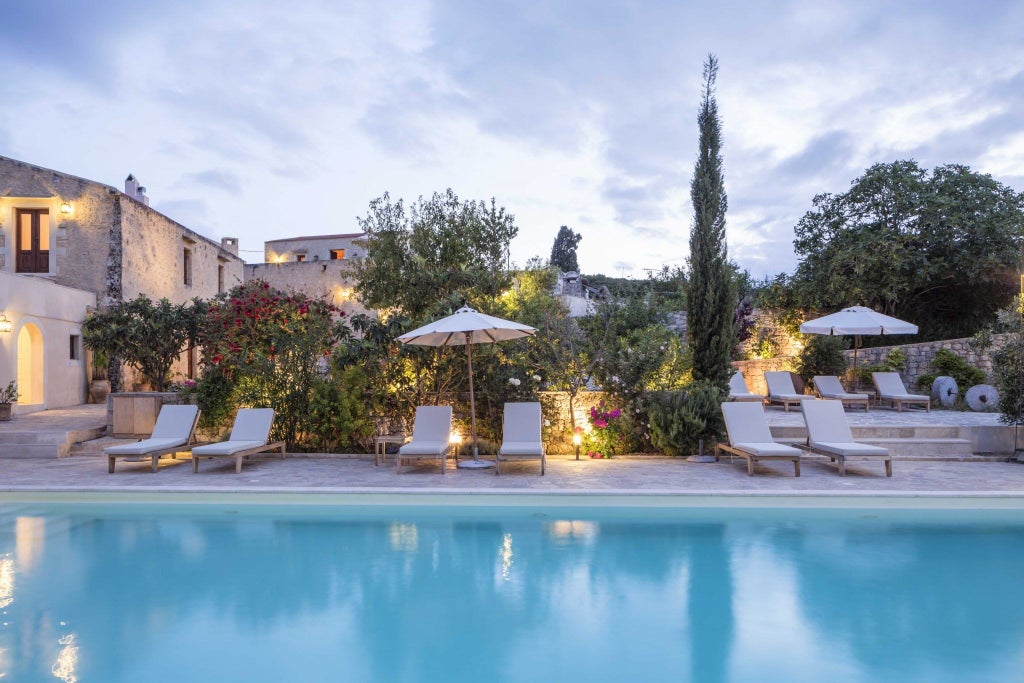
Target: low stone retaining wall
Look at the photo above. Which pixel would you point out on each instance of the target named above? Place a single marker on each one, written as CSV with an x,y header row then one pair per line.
x,y
558,425
753,370
919,356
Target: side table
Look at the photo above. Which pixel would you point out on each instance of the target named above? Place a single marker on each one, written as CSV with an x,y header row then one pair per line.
x,y
380,445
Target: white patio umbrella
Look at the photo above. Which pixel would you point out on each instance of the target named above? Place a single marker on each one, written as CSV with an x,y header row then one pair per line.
x,y
467,327
858,321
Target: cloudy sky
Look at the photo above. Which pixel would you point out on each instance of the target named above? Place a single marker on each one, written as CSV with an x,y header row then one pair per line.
x,y
271,119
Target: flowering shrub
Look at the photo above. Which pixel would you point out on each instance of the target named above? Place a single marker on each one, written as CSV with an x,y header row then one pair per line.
x,y
607,436
264,347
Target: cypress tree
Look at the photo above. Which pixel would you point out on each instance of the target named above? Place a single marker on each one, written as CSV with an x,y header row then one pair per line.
x,y
711,294
563,251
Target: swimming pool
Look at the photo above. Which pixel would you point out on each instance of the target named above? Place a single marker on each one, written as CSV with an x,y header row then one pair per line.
x,y
227,593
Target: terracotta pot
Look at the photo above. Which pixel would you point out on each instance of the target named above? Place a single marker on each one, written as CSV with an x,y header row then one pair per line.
x,y
5,412
98,390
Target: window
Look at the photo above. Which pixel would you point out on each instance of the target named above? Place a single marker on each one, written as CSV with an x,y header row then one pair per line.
x,y
75,347
300,257
337,254
187,263
33,248
220,278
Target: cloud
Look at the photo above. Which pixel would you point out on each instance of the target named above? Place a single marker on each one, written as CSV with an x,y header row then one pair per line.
x,y
222,180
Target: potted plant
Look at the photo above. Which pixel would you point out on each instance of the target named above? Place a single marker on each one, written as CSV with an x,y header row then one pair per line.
x,y
99,387
8,397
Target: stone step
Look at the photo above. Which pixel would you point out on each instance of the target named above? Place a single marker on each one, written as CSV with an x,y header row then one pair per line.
x,y
925,448
881,432
44,444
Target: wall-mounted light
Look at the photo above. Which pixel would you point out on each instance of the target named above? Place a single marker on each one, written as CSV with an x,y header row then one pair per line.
x,y
65,208
5,324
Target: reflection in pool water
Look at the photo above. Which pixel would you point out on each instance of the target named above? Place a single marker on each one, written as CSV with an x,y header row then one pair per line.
x,y
162,594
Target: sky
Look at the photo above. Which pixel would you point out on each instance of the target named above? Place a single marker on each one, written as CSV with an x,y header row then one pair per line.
x,y
263,120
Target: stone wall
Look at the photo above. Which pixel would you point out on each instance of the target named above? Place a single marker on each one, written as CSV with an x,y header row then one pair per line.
x,y
313,248
330,280
558,425
919,356
767,333
753,370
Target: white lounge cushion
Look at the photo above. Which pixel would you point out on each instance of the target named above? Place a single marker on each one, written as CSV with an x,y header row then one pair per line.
x,y
828,386
738,390
792,397
415,447
905,397
175,422
746,423
850,448
767,449
780,385
145,446
252,424
522,448
226,447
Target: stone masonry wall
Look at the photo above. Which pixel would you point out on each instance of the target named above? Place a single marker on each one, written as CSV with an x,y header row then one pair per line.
x,y
331,280
919,356
555,407
753,370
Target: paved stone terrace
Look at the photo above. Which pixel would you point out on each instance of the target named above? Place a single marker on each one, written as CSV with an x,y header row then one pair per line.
x,y
632,474
886,417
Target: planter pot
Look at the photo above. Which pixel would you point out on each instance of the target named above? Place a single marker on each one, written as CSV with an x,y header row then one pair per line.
x,y
98,390
5,412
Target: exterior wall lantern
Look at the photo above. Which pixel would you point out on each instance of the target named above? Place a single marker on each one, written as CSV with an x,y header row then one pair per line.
x,y
65,208
5,324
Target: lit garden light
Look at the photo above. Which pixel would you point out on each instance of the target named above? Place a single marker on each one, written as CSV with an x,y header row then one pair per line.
x,y
577,439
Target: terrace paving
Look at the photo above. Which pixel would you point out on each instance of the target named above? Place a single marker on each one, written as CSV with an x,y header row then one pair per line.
x,y
637,475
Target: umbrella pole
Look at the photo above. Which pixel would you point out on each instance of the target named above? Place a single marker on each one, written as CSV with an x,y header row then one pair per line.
x,y
472,398
856,345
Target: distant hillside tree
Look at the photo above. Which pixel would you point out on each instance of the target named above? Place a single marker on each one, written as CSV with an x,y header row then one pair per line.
x,y
563,251
711,293
939,249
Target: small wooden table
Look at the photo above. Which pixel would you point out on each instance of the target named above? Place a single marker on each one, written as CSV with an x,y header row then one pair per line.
x,y
380,445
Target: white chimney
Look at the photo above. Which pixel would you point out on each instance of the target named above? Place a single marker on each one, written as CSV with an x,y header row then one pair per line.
x,y
230,244
131,186
141,196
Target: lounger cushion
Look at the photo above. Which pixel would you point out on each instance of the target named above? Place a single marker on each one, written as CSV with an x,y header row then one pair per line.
x,y
423,447
904,397
522,448
792,397
850,449
252,424
144,446
843,396
767,449
226,447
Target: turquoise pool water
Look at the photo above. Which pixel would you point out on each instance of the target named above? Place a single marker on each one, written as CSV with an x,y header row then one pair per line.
x,y
153,593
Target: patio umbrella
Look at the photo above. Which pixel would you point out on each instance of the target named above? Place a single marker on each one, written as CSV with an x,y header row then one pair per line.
x,y
467,327
857,320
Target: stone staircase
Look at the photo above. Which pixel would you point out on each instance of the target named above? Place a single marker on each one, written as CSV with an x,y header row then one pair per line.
x,y
921,442
51,433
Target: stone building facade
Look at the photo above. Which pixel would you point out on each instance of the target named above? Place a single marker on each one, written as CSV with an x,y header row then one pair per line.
x,y
88,236
328,280
343,247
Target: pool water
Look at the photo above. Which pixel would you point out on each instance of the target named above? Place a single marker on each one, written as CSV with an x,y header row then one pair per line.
x,y
245,593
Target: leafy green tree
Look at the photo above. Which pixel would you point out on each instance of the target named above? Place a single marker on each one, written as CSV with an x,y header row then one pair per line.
x,y
1008,365
146,335
940,249
434,255
563,251
711,295
821,355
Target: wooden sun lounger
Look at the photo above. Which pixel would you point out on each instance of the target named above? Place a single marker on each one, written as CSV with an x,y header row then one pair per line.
x,y
750,437
173,433
829,387
239,456
828,434
521,436
781,390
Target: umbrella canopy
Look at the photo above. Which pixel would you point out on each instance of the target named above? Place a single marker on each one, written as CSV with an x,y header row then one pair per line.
x,y
467,327
858,320
452,330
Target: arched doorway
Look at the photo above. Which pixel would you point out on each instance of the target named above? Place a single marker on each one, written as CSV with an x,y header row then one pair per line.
x,y
30,365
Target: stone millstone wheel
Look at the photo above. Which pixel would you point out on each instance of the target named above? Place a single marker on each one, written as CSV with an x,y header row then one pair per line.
x,y
982,398
945,391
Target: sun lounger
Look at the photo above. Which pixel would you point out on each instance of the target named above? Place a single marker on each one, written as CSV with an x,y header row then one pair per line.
x,y
431,436
521,435
828,386
174,429
890,388
751,439
828,433
249,436
781,390
738,390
